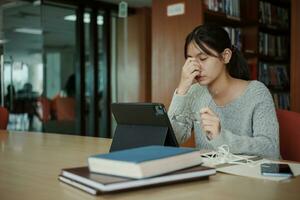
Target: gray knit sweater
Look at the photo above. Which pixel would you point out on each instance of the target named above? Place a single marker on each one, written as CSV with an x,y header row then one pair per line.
x,y
248,123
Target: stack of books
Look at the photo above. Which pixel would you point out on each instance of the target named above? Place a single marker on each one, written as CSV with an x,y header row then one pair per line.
x,y
135,168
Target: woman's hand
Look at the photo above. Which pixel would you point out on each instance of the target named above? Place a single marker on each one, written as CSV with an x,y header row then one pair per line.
x,y
210,123
190,70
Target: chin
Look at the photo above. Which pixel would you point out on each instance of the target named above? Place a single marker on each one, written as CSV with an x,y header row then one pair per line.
x,y
203,82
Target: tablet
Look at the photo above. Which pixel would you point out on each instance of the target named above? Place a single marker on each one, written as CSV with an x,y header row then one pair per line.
x,y
141,124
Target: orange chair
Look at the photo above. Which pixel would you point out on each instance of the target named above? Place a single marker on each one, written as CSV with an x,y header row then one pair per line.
x,y
3,118
45,106
190,142
289,132
64,108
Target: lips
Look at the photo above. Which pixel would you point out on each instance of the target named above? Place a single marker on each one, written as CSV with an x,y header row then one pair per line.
x,y
200,78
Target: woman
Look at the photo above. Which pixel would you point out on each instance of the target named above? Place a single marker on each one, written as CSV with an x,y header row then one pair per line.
x,y
217,100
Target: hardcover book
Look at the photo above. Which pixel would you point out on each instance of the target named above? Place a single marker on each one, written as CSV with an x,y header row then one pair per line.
x,y
144,161
95,183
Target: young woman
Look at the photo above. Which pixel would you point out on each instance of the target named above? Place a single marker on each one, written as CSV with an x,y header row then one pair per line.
x,y
216,99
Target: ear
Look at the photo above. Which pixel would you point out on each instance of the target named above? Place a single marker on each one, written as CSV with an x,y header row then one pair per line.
x,y
226,55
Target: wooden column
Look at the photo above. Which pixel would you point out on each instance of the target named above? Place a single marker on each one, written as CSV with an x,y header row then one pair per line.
x,y
168,38
295,56
134,77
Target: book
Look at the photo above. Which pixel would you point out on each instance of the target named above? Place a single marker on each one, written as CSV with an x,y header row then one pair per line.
x,y
146,161
78,185
95,183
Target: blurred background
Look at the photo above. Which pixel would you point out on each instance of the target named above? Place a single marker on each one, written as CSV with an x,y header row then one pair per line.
x,y
64,62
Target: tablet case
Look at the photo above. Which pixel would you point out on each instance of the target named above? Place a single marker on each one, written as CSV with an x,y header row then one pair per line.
x,y
141,124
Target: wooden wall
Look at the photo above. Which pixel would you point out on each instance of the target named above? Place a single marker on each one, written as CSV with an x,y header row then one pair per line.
x,y
134,77
295,56
168,37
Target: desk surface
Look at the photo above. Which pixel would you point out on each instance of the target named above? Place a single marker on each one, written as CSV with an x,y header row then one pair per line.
x,y
31,162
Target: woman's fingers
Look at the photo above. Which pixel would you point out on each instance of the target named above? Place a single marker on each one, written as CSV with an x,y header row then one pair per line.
x,y
190,70
194,74
209,117
210,122
207,110
209,129
191,67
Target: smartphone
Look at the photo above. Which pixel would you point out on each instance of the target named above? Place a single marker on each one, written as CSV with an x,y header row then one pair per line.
x,y
275,169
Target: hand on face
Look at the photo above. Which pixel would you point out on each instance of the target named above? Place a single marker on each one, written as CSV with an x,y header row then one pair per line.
x,y
210,123
190,70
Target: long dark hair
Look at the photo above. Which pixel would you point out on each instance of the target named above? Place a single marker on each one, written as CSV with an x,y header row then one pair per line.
x,y
216,38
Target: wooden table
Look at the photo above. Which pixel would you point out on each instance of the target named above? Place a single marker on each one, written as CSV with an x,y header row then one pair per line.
x,y
30,163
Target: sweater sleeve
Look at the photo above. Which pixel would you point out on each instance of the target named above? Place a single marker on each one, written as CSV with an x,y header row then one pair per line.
x,y
265,139
180,114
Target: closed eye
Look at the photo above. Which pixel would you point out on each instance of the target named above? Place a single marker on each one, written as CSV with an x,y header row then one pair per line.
x,y
202,56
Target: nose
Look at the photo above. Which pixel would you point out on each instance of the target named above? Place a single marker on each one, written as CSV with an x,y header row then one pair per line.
x,y
199,63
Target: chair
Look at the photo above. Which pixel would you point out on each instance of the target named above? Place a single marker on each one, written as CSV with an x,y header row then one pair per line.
x,y
45,105
64,108
190,142
3,118
289,132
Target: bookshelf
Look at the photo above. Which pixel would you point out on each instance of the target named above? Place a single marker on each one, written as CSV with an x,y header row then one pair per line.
x,y
295,56
261,30
168,42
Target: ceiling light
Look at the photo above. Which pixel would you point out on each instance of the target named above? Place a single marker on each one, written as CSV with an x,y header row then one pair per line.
x,y
13,4
86,18
37,3
29,31
3,41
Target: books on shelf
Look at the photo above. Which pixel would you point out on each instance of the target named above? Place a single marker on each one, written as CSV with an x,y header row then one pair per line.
x,y
235,34
95,183
281,100
273,75
144,161
272,45
270,14
264,39
228,7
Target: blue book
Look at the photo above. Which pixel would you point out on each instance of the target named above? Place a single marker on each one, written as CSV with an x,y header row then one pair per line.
x,y
143,162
